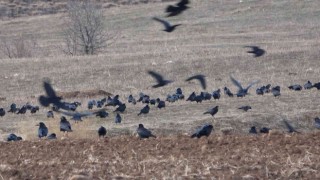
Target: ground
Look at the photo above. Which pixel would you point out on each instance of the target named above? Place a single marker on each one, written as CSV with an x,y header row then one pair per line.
x,y
210,41
272,156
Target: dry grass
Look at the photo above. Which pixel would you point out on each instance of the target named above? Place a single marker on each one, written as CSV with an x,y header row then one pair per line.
x,y
210,41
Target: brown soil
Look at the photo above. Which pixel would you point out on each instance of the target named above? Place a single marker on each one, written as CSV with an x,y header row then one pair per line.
x,y
274,156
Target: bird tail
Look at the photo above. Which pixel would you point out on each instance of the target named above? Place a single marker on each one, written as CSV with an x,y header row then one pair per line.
x,y
206,112
193,135
139,114
153,136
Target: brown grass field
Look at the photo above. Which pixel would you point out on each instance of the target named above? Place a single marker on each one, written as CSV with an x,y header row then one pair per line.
x,y
211,41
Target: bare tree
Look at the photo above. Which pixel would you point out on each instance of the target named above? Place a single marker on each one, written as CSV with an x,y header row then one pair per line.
x,y
86,31
20,46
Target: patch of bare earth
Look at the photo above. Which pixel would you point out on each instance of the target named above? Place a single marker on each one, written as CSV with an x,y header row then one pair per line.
x,y
223,157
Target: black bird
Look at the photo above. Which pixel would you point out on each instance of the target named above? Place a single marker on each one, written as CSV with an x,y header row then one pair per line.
x,y
203,131
276,91
43,130
100,104
113,101
256,51
227,92
34,109
102,114
295,87
264,130
317,85
200,78
132,100
144,110
171,98
143,132
102,131
253,130
212,111
50,114
152,101
77,116
168,27
289,127
308,85
192,97
317,122
242,91
13,137
22,110
13,108
2,112
198,98
118,118
260,91
65,125
161,81
179,91
178,9
161,104
245,108
206,95
216,94
121,108
91,103
52,136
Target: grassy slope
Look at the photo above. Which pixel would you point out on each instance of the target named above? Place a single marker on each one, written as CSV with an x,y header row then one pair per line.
x,y
210,41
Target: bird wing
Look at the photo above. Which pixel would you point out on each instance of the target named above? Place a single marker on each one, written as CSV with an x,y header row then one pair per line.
x,y
252,83
183,3
171,8
236,83
156,76
290,128
165,23
49,90
199,77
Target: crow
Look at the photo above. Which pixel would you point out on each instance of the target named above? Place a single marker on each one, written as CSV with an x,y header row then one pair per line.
x,y
52,136
77,116
253,130
295,87
50,114
227,92
212,111
65,125
121,108
289,127
102,114
245,108
317,122
118,118
168,27
13,137
264,130
203,131
132,100
242,91
317,85
144,110
2,112
102,131
200,78
161,81
216,94
13,108
256,51
178,9
192,97
308,85
161,104
276,91
143,132
43,130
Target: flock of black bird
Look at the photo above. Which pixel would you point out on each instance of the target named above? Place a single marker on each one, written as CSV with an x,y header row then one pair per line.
x,y
69,108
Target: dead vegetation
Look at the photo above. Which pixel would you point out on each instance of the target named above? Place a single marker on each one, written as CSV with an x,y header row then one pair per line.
x,y
211,41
